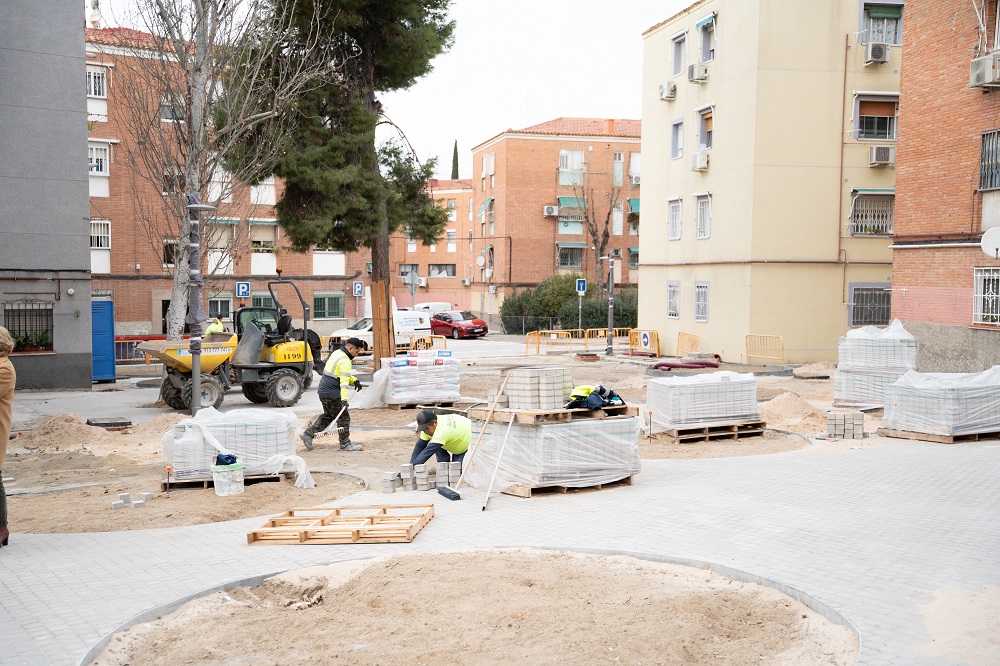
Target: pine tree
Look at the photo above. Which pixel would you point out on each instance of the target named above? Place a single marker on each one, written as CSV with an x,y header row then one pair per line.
x,y
454,162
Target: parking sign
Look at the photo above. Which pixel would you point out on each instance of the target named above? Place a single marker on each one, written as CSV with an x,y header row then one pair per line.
x,y
581,285
359,287
242,290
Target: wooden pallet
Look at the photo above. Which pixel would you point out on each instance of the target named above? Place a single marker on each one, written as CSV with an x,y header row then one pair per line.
x,y
942,439
742,430
531,491
182,484
422,405
350,524
541,416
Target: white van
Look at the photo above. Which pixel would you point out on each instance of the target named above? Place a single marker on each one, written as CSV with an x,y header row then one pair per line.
x,y
434,307
404,322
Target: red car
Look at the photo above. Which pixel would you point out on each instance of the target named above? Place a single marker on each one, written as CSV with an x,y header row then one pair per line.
x,y
458,324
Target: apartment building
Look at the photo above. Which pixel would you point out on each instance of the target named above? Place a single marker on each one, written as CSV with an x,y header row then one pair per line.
x,y
44,268
946,288
132,247
445,269
535,190
769,135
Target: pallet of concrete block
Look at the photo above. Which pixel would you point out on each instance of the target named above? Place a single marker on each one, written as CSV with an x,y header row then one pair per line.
x,y
576,454
708,406
262,439
422,377
868,360
944,407
538,388
845,424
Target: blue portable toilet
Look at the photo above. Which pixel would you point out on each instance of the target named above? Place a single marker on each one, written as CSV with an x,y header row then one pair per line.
x,y
103,341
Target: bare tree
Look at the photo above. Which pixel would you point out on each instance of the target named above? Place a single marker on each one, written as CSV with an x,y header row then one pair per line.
x,y
599,195
182,132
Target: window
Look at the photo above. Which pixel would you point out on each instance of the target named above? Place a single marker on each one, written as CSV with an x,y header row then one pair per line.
x,y
452,210
221,307
680,56
989,161
707,28
674,219
705,129
571,167
97,155
30,324
570,257
703,217
673,300
618,172
633,259
100,234
883,24
174,180
618,217
97,82
328,305
470,209
169,251
701,301
634,167
869,304
452,240
872,214
411,242
570,228
262,300
263,194
876,118
677,139
490,212
441,270
262,237
171,109
220,186
408,268
986,301
572,209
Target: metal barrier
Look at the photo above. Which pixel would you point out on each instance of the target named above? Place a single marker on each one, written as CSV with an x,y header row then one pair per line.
x,y
599,337
643,343
687,343
126,350
766,347
420,341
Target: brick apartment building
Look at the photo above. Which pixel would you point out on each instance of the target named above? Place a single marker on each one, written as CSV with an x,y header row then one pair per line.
x,y
535,187
132,249
945,288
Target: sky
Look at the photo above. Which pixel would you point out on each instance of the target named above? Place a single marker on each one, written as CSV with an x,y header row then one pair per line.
x,y
517,63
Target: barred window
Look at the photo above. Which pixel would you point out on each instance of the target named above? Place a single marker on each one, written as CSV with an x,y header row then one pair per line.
x,y
869,305
100,234
872,215
30,324
673,300
570,257
989,161
328,306
674,219
986,302
701,301
98,157
704,217
96,82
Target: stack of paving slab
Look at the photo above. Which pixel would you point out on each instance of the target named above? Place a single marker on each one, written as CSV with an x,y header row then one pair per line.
x,y
944,403
427,476
714,398
422,377
869,360
845,424
541,388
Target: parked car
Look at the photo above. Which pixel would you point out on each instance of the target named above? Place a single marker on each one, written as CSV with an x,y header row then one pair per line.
x,y
458,324
433,307
405,323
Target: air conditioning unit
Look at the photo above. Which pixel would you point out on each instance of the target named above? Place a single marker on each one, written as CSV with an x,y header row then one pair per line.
x,y
882,155
698,72
421,282
668,90
550,211
876,53
985,71
634,181
466,282
699,162
493,289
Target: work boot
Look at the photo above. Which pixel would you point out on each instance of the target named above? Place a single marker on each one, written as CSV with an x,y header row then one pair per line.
x,y
350,447
307,439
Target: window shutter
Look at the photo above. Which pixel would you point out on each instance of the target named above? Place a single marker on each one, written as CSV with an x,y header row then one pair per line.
x,y
885,11
871,108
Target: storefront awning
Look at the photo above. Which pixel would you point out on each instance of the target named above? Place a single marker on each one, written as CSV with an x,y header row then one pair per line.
x,y
562,244
572,202
633,204
486,204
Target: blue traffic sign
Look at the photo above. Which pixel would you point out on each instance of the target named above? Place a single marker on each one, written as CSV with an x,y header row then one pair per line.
x,y
242,290
581,285
359,287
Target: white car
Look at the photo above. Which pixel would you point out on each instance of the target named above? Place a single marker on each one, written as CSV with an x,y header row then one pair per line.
x,y
405,323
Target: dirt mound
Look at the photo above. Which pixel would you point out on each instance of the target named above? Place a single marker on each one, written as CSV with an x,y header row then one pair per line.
x,y
157,426
64,432
788,411
814,371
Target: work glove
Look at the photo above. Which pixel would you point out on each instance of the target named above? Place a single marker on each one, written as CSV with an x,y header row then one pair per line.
x,y
357,385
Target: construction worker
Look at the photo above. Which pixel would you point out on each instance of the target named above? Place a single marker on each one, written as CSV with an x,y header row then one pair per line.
x,y
447,437
215,327
333,390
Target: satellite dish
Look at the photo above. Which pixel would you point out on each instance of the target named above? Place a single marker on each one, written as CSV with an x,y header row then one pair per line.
x,y
991,243
480,261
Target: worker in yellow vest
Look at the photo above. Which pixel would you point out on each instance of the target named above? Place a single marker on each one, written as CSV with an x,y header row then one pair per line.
x,y
333,388
447,437
215,327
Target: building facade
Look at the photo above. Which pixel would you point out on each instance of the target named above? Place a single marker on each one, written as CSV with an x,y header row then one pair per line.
x,y
946,288
769,130
536,189
44,267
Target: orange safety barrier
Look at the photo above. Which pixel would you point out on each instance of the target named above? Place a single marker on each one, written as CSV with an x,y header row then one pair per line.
x,y
767,348
643,343
419,341
687,343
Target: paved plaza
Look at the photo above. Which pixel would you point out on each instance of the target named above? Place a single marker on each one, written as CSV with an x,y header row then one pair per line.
x,y
877,533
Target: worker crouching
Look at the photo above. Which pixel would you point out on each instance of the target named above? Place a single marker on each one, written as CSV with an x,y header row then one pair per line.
x,y
447,437
333,391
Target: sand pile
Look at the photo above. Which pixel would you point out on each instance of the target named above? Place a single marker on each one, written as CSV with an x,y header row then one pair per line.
x,y
65,432
814,371
788,411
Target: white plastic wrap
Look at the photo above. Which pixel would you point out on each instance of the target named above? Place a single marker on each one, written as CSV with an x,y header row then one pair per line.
x,y
863,387
944,403
704,399
577,454
262,439
422,376
869,359
375,395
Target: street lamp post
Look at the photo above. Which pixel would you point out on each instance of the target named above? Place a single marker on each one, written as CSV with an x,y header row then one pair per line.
x,y
195,311
610,351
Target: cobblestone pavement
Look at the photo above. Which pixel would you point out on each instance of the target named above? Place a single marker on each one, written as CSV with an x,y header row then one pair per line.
x,y
874,532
